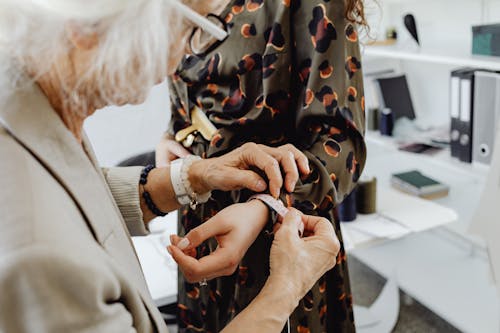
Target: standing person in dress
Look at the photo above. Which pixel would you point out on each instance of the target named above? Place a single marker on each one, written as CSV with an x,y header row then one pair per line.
x,y
289,73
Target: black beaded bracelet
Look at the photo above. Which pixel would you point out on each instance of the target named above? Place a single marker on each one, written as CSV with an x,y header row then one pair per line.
x,y
145,194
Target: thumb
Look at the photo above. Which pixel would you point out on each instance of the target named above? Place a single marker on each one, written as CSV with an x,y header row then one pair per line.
x,y
292,222
211,228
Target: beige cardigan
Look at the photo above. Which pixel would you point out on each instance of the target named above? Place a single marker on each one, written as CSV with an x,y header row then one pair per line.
x,y
66,259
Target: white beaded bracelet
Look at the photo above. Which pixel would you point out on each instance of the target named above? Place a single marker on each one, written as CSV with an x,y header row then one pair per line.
x,y
182,186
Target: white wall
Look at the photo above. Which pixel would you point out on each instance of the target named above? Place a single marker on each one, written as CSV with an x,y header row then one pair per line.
x,y
120,132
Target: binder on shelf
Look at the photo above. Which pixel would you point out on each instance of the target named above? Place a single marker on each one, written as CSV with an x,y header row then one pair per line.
x,y
456,127
486,115
455,112
466,116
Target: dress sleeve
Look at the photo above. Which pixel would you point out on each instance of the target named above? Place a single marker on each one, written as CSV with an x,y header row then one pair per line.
x,y
329,122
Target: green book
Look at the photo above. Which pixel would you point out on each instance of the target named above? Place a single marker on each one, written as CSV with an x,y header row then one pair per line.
x,y
416,183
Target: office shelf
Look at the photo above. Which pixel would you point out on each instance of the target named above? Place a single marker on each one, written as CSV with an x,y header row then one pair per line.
x,y
442,159
433,56
466,180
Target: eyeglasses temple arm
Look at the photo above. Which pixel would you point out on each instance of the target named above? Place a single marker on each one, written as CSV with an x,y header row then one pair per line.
x,y
199,20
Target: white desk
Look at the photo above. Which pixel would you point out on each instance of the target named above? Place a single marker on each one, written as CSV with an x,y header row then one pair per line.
x,y
158,266
444,269
398,215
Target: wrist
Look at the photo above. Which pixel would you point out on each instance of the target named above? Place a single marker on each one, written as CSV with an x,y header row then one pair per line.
x,y
282,295
261,211
197,175
187,180
272,203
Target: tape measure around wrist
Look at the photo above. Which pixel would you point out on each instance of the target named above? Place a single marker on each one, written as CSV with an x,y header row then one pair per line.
x,y
273,203
277,206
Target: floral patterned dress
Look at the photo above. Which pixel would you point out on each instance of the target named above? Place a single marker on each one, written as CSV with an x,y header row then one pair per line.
x,y
289,72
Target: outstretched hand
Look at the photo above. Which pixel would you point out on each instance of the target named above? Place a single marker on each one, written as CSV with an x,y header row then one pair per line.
x,y
235,228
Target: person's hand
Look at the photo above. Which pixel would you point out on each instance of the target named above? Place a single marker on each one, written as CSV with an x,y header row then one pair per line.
x,y
232,171
169,150
297,263
235,228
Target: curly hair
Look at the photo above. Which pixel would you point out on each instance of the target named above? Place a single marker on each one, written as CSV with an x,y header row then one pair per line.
x,y
355,12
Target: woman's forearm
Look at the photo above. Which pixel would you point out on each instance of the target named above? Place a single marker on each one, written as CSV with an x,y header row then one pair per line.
x,y
161,191
267,313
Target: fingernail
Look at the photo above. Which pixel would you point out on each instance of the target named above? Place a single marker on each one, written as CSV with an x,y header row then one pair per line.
x,y
183,244
260,186
169,250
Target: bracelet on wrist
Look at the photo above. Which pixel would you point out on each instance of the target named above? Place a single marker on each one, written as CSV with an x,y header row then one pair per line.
x,y
179,175
146,195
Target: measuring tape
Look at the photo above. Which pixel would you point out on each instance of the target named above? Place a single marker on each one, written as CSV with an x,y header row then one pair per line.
x,y
277,206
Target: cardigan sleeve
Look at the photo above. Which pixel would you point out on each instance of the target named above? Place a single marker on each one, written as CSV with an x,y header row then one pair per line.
x,y
51,289
124,184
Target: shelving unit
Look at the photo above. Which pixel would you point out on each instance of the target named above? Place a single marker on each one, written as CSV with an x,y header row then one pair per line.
x,y
442,159
445,269
433,56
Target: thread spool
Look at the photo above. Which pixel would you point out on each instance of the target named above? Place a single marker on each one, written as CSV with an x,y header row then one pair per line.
x,y
366,195
391,33
347,209
372,119
386,122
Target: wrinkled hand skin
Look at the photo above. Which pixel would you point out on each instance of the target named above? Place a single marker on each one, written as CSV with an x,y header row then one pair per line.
x,y
233,170
297,263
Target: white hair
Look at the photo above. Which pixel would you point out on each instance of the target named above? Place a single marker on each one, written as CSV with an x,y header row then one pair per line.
x,y
134,41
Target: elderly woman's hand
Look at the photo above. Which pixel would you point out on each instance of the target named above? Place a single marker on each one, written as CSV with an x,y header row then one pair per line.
x,y
232,171
235,228
297,263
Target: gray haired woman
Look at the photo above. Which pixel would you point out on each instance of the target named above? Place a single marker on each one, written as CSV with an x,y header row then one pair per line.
x,y
66,260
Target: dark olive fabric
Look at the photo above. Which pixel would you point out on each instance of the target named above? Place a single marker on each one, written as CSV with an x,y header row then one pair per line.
x,y
289,72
